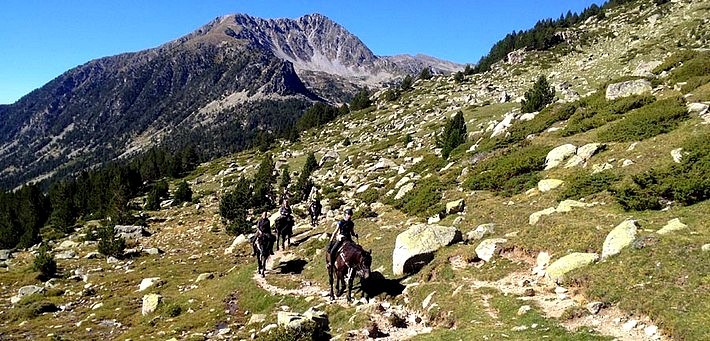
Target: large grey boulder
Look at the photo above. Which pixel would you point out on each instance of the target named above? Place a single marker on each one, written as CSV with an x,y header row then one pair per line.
x,y
572,261
329,155
489,248
415,246
559,154
628,88
404,190
547,185
67,244
295,320
150,303
620,237
26,291
66,254
130,231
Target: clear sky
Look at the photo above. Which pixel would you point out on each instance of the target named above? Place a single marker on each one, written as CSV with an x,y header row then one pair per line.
x,y
39,40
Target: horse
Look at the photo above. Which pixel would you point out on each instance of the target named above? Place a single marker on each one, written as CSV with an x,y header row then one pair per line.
x,y
351,260
262,248
284,230
314,211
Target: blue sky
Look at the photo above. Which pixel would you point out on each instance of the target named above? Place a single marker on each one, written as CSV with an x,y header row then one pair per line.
x,y
39,40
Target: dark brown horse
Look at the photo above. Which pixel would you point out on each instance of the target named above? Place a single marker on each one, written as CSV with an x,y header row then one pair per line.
x,y
314,212
262,248
284,230
351,260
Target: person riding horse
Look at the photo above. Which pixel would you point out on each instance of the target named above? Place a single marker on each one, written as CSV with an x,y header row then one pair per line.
x,y
314,210
286,212
263,226
343,232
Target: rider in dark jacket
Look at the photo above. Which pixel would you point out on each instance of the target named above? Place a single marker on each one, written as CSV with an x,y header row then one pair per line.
x,y
343,232
263,226
315,209
285,211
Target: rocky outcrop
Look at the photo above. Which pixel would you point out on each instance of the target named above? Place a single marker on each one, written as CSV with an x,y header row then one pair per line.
x,y
620,237
480,231
673,225
628,88
572,261
455,206
295,320
415,246
547,185
559,154
130,231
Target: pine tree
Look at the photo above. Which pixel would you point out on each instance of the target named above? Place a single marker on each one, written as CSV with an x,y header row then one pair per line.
x,y
304,184
63,213
360,101
285,179
406,84
454,134
264,180
539,96
425,73
183,193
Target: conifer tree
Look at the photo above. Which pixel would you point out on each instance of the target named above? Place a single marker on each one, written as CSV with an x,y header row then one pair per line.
x,y
454,134
183,193
539,96
425,73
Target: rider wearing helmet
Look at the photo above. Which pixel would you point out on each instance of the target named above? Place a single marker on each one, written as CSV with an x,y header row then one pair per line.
x,y
263,226
343,232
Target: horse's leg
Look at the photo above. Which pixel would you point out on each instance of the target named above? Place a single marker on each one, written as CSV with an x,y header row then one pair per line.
x,y
330,280
351,279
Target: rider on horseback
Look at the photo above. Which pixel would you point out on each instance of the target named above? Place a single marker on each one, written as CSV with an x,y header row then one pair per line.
x,y
263,226
314,210
343,232
285,211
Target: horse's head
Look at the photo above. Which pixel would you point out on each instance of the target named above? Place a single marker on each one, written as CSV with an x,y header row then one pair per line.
x,y
364,264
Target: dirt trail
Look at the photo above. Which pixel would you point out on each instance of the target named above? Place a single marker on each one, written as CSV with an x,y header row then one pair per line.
x,y
554,301
380,312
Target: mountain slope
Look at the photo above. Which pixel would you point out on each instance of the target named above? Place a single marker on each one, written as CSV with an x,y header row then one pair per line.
x,y
233,76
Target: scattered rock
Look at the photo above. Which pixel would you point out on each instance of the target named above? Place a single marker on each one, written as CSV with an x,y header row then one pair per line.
x,y
594,307
620,237
701,109
257,318
67,254
547,185
415,246
92,255
705,247
427,300
26,291
600,168
455,206
130,231
152,251
148,282
489,248
67,244
629,325
523,310
650,330
502,127
535,217
329,155
677,155
672,226
560,267
204,276
627,163
628,88
5,254
481,231
559,154
150,303
404,190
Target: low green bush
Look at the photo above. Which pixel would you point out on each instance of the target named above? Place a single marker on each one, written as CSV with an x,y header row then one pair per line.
x,y
110,244
583,185
44,263
685,183
675,60
365,212
424,200
369,196
509,173
698,66
654,119
305,332
596,111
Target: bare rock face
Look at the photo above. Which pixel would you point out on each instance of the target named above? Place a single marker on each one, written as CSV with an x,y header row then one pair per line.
x,y
628,88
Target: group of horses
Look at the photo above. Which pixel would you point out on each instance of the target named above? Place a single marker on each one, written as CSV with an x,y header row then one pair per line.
x,y
352,260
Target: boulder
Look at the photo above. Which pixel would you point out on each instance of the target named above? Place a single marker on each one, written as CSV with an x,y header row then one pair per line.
x,y
204,276
455,206
148,282
547,185
26,291
415,246
489,248
402,181
295,320
672,226
150,303
559,154
329,155
362,188
130,231
239,240
481,231
152,251
5,254
502,127
535,217
560,267
645,69
403,190
628,88
588,150
620,237
383,163
67,244
602,167
677,155
568,204
699,109
67,254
